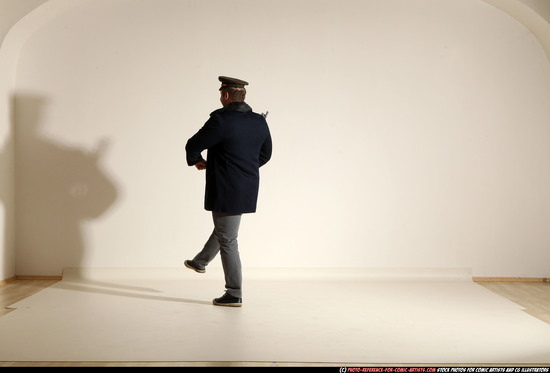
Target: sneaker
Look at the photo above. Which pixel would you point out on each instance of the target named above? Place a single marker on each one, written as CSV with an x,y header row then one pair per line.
x,y
228,301
191,264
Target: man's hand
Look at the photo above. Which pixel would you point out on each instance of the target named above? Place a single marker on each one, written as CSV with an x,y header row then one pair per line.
x,y
200,165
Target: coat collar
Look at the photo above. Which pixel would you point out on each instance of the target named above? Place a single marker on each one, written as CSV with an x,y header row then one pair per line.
x,y
234,106
237,106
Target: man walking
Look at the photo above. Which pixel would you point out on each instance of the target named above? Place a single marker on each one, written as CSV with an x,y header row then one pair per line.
x,y
238,143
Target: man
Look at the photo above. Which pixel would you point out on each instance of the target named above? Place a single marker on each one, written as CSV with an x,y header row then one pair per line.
x,y
238,143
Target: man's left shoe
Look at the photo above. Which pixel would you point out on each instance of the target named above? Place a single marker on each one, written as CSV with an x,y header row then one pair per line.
x,y
228,301
192,265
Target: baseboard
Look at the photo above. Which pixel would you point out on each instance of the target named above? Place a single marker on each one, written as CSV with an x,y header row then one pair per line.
x,y
8,280
43,278
39,278
475,279
510,279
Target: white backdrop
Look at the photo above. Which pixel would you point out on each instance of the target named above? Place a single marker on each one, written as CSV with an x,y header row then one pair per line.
x,y
406,134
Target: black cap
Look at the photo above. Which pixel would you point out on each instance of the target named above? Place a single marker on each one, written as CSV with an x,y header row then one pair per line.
x,y
231,82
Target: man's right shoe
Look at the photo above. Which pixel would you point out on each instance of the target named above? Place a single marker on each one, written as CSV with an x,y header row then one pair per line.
x,y
228,301
191,264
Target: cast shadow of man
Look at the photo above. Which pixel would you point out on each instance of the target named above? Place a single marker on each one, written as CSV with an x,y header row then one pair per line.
x,y
58,187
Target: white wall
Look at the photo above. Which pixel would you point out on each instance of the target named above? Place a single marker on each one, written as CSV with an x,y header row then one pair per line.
x,y
406,134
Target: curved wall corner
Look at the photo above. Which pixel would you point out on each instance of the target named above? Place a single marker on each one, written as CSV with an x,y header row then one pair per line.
x,y
528,14
19,22
17,35
540,6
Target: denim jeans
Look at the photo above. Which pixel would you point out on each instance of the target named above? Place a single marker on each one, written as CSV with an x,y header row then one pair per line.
x,y
224,240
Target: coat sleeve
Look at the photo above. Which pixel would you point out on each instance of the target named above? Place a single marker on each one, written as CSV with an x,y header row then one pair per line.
x,y
266,149
209,135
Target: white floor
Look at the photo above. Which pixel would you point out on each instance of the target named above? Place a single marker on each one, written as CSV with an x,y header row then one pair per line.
x,y
324,316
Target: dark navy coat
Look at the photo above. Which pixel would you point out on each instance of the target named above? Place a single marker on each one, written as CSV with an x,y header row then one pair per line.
x,y
239,143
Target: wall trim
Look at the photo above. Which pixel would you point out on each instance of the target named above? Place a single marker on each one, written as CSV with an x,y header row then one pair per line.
x,y
511,279
59,278
43,278
7,281
475,279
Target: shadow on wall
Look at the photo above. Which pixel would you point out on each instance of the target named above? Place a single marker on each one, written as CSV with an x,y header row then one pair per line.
x,y
58,187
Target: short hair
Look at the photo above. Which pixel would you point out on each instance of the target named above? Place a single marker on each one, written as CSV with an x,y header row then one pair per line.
x,y
235,94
